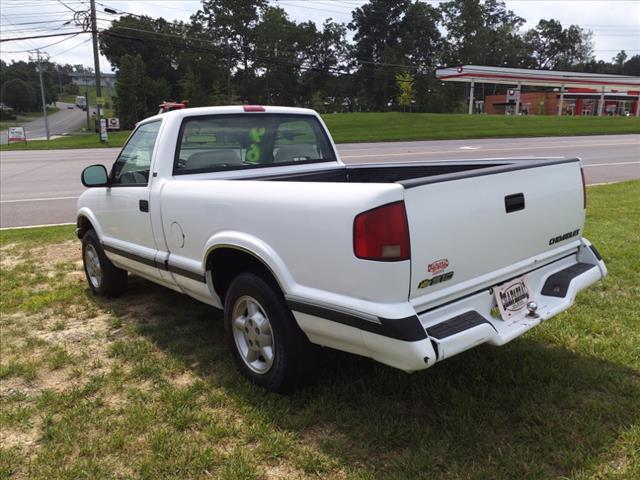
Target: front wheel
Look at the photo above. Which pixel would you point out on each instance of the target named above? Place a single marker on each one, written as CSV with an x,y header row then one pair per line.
x,y
265,340
103,277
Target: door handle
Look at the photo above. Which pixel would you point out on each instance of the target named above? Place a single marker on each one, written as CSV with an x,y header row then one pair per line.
x,y
514,203
144,205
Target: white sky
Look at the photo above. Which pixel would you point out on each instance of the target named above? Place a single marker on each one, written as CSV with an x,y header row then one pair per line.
x,y
614,23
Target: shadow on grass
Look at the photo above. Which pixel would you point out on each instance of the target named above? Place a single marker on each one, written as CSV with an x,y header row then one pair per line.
x,y
526,410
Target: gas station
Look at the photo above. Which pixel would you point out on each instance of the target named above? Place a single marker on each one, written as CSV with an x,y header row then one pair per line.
x,y
574,93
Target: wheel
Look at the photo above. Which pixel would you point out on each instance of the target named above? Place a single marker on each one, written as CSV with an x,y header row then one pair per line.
x,y
104,278
265,340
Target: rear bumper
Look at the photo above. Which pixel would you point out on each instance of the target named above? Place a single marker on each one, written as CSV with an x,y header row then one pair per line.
x,y
420,341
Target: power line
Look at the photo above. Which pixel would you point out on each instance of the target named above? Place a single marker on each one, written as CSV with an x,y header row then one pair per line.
x,y
39,36
66,6
72,48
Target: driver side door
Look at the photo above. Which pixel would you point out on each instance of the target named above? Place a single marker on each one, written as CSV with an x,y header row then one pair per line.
x,y
125,214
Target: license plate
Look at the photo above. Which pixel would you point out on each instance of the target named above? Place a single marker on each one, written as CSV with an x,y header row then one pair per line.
x,y
512,297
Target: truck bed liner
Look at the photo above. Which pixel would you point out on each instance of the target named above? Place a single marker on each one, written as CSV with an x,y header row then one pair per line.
x,y
414,174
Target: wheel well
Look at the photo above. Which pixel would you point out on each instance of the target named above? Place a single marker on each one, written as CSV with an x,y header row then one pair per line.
x,y
227,263
83,226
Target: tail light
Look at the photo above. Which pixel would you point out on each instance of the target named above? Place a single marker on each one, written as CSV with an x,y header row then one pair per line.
x,y
382,234
584,189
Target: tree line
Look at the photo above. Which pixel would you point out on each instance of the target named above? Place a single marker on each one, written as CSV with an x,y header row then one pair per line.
x,y
20,84
251,51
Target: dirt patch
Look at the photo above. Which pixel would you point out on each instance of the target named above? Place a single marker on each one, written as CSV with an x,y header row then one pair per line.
x,y
317,434
183,379
8,260
282,471
69,251
55,380
20,439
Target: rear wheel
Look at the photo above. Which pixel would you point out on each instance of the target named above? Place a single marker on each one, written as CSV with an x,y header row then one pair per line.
x,y
265,340
103,277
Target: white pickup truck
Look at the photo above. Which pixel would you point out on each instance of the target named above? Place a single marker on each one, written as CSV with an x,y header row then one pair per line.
x,y
250,209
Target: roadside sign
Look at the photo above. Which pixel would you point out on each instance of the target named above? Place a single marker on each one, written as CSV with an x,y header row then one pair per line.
x,y
113,123
103,130
100,100
17,134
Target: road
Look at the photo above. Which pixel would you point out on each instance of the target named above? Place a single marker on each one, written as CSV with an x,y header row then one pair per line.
x,y
65,121
41,187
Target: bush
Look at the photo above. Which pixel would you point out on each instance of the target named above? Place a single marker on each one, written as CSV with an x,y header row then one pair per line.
x,y
7,115
72,89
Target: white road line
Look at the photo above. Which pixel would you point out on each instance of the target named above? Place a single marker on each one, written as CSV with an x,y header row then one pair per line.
x,y
541,147
523,145
609,164
38,199
36,226
604,183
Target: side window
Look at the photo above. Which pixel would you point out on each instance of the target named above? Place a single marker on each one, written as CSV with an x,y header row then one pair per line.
x,y
134,162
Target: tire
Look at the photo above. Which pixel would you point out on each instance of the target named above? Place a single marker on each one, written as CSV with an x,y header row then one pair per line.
x,y
103,277
265,340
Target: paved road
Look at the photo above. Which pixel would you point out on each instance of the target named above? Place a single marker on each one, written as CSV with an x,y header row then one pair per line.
x,y
41,187
65,121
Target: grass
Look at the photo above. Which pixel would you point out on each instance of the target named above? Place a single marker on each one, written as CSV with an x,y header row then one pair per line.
x,y
26,117
394,126
377,127
143,386
84,140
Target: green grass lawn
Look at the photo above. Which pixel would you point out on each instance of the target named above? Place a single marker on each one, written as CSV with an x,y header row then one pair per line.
x,y
374,127
394,126
84,140
143,386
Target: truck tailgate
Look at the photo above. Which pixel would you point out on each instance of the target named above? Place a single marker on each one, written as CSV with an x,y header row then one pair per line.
x,y
472,231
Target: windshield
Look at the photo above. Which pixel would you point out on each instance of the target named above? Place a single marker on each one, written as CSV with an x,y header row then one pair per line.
x,y
231,142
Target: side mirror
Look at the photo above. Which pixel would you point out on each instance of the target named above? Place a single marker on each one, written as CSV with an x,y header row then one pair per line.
x,y
95,176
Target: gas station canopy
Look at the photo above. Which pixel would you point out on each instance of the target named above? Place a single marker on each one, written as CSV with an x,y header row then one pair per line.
x,y
541,78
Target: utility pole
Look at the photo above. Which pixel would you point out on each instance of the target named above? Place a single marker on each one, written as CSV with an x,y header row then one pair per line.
x,y
96,63
38,59
86,102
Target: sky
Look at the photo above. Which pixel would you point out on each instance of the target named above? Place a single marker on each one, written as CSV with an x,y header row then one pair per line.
x,y
615,23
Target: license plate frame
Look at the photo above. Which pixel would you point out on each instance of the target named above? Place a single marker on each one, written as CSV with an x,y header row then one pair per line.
x,y
512,297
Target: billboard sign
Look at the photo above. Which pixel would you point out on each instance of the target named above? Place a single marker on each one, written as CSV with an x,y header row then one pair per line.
x,y
113,123
103,130
17,134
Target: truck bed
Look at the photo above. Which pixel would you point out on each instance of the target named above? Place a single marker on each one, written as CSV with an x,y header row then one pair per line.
x,y
415,173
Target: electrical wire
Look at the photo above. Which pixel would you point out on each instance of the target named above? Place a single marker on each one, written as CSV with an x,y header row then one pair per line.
x,y
14,39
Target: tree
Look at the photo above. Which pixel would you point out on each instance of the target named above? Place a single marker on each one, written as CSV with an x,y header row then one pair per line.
x,y
157,41
324,54
554,47
231,24
632,66
20,86
130,99
482,33
405,87
276,57
378,30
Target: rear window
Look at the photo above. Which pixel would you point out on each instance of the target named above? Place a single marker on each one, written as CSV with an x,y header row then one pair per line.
x,y
233,142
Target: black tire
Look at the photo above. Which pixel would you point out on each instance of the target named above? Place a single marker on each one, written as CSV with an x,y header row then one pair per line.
x,y
293,359
106,280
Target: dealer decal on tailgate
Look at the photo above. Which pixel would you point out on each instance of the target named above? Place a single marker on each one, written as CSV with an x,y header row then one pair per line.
x,y
512,297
